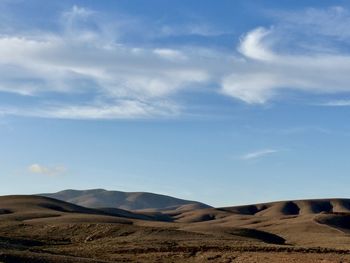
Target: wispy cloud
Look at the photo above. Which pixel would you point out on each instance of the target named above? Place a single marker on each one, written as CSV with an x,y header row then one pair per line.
x,y
123,80
266,73
333,21
44,170
200,28
170,54
258,154
128,81
336,103
303,51
125,109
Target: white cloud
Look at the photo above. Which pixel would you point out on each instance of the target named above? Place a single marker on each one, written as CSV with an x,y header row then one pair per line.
x,y
125,109
252,45
170,54
49,171
77,11
336,103
128,81
250,87
266,73
329,22
117,70
122,80
258,154
200,28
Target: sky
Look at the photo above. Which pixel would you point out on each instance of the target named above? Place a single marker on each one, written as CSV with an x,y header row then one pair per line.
x,y
224,102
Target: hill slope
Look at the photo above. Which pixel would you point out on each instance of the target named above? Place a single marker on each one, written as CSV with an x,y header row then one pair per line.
x,y
272,210
97,198
38,229
44,209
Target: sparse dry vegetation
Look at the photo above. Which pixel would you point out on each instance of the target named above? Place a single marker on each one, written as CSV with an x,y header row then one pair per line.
x,y
40,229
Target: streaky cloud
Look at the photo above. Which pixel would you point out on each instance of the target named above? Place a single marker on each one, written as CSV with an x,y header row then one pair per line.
x,y
129,81
258,154
336,103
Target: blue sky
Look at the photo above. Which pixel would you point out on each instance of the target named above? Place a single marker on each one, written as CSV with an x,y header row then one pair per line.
x,y
226,102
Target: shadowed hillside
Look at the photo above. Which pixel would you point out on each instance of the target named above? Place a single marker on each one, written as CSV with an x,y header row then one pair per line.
x,y
298,207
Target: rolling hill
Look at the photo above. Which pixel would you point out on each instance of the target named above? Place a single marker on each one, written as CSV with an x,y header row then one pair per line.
x,y
43,229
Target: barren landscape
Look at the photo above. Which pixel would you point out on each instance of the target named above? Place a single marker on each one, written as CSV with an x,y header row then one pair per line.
x,y
43,229
174,131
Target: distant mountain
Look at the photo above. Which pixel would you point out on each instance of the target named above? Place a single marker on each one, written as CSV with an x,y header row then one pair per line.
x,y
100,198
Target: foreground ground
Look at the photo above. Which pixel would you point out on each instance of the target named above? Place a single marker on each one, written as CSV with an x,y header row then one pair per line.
x,y
38,229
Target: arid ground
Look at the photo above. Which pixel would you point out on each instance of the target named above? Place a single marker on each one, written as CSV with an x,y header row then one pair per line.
x,y
42,229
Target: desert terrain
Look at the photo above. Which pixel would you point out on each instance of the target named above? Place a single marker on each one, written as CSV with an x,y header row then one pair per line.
x,y
43,229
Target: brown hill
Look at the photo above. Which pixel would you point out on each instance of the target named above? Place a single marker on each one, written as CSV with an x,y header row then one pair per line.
x,y
297,207
38,208
42,229
45,209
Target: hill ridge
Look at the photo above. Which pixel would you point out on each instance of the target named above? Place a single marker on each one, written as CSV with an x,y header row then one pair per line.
x,y
97,198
